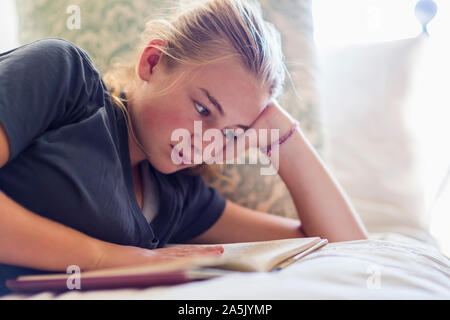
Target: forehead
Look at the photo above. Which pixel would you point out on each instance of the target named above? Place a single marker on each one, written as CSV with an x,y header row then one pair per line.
x,y
236,89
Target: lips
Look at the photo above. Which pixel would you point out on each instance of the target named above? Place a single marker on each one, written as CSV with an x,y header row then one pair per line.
x,y
180,154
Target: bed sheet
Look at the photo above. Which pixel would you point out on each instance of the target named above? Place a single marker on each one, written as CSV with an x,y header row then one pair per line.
x,y
386,266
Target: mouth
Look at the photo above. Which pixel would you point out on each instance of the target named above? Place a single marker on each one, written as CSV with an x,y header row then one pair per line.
x,y
181,158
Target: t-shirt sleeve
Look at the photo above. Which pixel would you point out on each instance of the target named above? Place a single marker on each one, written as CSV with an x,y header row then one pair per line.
x,y
43,85
203,207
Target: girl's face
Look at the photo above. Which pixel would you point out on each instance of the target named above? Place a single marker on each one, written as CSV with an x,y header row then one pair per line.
x,y
220,95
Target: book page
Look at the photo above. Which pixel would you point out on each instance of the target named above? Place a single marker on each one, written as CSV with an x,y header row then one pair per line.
x,y
262,255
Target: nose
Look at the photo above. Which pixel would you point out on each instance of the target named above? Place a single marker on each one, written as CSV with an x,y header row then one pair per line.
x,y
196,151
198,145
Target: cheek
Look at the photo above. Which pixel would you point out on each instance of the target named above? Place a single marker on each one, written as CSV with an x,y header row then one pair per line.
x,y
161,122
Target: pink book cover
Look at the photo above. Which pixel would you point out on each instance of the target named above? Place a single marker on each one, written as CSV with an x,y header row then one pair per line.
x,y
163,274
103,282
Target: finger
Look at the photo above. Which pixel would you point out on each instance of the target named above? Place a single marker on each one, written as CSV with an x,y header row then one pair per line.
x,y
196,253
202,249
218,249
198,247
187,249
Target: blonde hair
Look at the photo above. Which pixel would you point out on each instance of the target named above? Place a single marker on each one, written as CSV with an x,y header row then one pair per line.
x,y
227,28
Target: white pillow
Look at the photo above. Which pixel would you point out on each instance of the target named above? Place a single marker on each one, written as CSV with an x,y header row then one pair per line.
x,y
369,145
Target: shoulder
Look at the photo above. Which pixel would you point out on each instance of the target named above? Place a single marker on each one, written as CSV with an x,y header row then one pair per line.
x,y
54,52
58,45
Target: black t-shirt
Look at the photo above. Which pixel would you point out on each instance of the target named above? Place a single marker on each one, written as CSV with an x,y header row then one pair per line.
x,y
70,160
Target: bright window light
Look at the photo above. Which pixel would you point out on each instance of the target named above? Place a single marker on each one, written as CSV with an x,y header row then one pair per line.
x,y
361,21
347,22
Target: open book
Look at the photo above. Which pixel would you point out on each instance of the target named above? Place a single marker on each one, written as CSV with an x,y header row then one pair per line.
x,y
260,256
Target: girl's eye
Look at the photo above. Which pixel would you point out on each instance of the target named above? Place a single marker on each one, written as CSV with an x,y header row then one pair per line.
x,y
229,134
201,109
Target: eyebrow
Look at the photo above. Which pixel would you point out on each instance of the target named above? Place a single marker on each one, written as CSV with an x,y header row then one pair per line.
x,y
219,108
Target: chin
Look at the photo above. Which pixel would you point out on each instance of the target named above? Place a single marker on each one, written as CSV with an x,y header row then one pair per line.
x,y
168,167
165,164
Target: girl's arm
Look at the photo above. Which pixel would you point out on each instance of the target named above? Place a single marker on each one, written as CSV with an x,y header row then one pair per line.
x,y
322,206
30,240
240,224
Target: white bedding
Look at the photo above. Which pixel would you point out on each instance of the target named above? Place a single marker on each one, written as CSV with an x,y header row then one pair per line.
x,y
387,266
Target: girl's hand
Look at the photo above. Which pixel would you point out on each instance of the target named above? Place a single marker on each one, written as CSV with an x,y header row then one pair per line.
x,y
273,117
113,255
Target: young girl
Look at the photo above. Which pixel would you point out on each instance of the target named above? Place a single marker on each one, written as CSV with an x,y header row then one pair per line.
x,y
88,174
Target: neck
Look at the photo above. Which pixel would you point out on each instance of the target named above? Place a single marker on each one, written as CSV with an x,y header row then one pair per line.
x,y
134,158
136,154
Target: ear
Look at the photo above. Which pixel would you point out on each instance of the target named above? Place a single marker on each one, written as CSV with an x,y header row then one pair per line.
x,y
150,58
